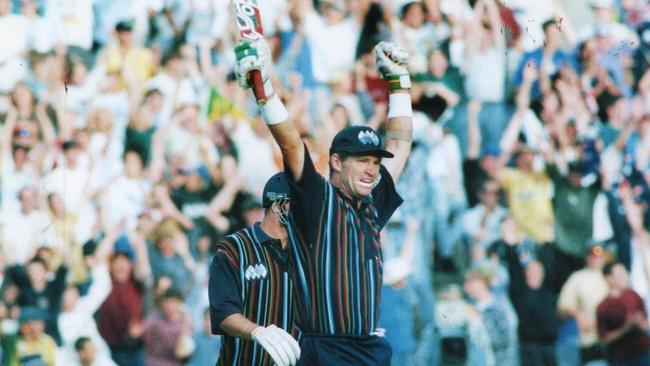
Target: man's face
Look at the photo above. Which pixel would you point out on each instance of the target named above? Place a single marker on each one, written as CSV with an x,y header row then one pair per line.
x,y
87,353
32,329
534,275
27,201
36,272
619,278
20,158
490,194
357,173
121,268
525,160
125,38
72,156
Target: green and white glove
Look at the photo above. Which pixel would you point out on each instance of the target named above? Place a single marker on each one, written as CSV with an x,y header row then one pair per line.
x,y
252,56
392,65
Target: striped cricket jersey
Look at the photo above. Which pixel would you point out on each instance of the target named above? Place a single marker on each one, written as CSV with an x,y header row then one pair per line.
x,y
337,272
248,276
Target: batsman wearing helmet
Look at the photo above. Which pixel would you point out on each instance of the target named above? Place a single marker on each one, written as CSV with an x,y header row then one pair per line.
x,y
336,255
250,291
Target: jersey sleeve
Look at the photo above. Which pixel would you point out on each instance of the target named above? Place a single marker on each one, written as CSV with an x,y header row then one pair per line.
x,y
224,287
385,197
307,198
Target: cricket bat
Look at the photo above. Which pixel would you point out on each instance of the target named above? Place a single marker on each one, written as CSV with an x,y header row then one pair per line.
x,y
249,26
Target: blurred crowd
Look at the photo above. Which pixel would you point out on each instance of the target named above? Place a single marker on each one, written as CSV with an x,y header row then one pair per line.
x,y
127,150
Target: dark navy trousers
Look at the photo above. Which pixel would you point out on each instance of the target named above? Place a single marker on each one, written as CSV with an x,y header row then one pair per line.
x,y
344,350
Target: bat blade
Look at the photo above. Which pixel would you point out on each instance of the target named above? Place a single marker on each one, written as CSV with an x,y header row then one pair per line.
x,y
249,26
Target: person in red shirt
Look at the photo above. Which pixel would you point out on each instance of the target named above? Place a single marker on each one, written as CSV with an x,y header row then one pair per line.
x,y
622,321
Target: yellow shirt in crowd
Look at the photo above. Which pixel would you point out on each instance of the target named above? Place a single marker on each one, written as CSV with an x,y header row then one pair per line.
x,y
529,198
137,62
45,347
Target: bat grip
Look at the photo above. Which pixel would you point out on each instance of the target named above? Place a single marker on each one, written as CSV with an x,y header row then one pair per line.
x,y
255,77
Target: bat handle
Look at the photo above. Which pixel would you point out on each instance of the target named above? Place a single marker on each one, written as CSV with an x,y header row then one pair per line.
x,y
255,77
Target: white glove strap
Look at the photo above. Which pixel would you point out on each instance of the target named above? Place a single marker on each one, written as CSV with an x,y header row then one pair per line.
x,y
274,111
399,105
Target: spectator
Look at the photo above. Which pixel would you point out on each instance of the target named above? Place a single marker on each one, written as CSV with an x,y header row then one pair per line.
x,y
573,205
482,223
23,232
548,58
207,345
535,302
121,315
463,337
76,318
32,345
135,65
622,320
170,256
167,337
87,354
579,298
35,289
503,339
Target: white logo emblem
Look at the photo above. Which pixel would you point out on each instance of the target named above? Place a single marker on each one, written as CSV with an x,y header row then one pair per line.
x,y
254,272
368,137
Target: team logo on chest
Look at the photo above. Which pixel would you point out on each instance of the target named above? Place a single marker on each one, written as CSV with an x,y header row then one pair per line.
x,y
255,272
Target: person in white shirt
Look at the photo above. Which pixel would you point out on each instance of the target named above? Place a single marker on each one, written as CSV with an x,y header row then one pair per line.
x,y
70,180
333,37
23,230
482,223
76,319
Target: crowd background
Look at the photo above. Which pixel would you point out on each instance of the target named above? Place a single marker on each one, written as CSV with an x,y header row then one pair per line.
x,y
127,150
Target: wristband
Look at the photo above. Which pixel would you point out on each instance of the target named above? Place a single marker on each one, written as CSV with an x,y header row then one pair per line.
x,y
274,111
399,135
399,82
399,105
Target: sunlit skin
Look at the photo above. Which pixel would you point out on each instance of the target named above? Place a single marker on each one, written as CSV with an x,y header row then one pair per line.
x,y
70,298
33,330
37,274
618,279
414,16
121,268
525,161
534,275
87,353
355,175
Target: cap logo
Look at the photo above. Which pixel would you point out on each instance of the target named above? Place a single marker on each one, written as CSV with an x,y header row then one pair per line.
x,y
368,137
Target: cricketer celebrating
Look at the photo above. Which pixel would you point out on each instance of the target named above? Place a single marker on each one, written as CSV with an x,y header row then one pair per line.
x,y
334,225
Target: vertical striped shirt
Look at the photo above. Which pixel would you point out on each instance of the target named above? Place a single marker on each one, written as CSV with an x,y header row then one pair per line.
x,y
337,272
248,276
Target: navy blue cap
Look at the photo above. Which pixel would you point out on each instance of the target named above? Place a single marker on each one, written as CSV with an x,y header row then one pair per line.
x,y
31,313
275,188
359,140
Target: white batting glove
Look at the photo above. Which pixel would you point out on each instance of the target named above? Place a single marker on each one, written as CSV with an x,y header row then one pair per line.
x,y
392,65
280,345
395,269
253,56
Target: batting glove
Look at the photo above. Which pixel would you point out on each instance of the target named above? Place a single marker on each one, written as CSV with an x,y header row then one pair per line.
x,y
392,65
280,345
253,56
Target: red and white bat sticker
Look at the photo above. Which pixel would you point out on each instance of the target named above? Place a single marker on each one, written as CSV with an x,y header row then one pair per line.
x,y
248,19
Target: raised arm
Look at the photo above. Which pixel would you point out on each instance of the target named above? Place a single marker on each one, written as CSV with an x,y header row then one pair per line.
x,y
256,56
391,62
